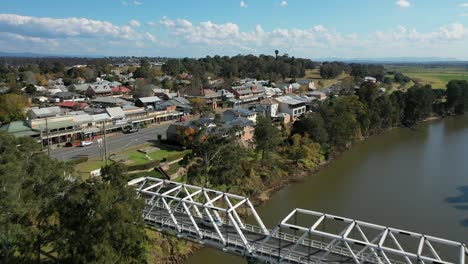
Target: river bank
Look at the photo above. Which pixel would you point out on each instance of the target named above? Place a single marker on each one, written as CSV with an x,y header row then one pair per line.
x,y
301,174
409,179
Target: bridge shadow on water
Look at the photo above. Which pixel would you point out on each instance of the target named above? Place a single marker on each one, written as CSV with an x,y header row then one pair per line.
x,y
460,202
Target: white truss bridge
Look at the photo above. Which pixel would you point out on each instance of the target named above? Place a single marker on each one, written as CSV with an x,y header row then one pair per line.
x,y
217,219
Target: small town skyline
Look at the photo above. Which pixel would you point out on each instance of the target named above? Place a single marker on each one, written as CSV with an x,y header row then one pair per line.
x,y
310,29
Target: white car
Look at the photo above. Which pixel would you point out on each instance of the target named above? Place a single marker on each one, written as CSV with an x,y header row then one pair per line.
x,y
208,223
86,143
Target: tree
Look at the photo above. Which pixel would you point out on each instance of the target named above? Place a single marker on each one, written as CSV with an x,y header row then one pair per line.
x,y
100,220
90,93
198,105
457,96
266,136
12,107
49,216
418,104
303,149
30,89
143,91
313,125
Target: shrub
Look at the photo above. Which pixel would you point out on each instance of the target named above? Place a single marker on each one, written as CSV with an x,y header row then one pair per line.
x,y
79,160
177,156
144,166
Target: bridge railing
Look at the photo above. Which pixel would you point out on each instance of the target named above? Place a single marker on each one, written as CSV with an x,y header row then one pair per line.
x,y
180,208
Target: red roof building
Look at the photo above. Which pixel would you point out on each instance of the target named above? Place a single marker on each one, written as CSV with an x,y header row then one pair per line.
x,y
72,105
121,90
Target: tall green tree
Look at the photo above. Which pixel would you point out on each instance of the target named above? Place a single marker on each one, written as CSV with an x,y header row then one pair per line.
x,y
266,136
12,107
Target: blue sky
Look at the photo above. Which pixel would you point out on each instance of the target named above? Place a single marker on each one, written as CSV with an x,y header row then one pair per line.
x,y
303,28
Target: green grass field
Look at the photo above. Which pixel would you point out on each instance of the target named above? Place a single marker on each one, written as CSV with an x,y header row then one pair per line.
x,y
315,76
438,77
132,154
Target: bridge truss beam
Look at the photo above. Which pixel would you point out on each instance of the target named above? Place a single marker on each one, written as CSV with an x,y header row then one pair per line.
x,y
303,236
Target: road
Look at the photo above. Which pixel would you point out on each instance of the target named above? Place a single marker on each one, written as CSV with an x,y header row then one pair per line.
x,y
114,143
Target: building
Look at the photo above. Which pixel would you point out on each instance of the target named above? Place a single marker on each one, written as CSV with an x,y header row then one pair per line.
x,y
318,95
231,114
291,106
35,112
267,108
109,102
147,102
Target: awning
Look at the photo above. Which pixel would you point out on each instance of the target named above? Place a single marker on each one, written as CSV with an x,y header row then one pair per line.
x,y
143,120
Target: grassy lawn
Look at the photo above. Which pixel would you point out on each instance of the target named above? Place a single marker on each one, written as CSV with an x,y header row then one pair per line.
x,y
315,76
173,168
83,169
438,77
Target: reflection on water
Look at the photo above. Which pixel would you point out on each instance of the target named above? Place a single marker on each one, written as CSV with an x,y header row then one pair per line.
x,y
463,200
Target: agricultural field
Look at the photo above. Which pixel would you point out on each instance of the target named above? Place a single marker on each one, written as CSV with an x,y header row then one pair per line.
x,y
437,76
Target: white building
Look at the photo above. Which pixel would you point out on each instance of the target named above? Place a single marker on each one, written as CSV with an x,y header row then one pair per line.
x,y
291,106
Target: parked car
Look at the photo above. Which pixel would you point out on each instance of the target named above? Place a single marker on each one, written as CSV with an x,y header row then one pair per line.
x,y
128,130
85,143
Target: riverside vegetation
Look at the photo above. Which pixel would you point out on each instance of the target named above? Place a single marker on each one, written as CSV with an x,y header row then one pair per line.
x,y
48,215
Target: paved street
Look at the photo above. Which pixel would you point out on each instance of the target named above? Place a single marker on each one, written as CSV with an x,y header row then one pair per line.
x,y
114,143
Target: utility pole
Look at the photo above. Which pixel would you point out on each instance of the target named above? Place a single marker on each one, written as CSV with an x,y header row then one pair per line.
x,y
48,138
105,142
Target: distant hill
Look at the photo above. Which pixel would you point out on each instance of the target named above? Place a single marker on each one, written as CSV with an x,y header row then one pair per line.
x,y
393,60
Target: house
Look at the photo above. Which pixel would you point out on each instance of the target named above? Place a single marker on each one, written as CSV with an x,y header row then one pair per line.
x,y
109,101
185,130
286,88
236,112
318,95
20,129
41,89
307,83
121,90
44,112
72,105
147,102
370,79
117,115
67,96
268,108
211,97
291,106
244,127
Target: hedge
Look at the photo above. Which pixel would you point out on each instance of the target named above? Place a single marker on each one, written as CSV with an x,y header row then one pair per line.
x,y
144,166
79,160
177,156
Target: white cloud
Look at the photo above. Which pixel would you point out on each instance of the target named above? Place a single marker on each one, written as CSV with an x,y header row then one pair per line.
x,y
463,15
150,36
151,24
243,4
124,3
137,3
464,5
62,27
403,3
316,41
284,3
134,23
